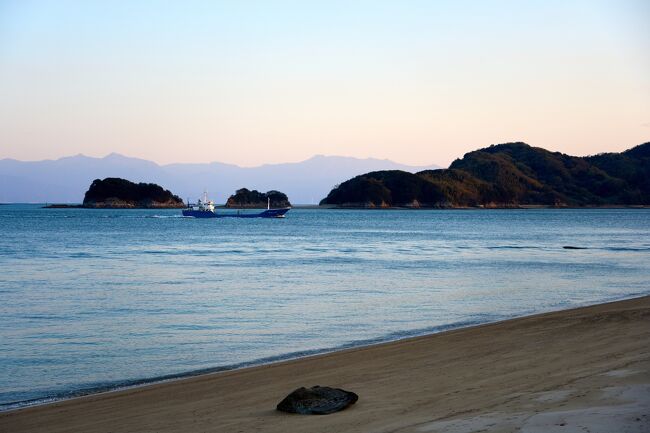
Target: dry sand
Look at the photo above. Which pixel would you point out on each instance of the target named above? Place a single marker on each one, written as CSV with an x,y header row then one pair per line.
x,y
582,370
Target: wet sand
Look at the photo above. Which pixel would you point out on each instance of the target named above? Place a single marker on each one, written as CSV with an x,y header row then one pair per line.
x,y
581,370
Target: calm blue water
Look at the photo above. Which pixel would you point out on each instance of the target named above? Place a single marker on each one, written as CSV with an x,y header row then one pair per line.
x,y
94,299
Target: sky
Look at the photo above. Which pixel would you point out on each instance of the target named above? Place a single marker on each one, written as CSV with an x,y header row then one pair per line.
x,y
254,82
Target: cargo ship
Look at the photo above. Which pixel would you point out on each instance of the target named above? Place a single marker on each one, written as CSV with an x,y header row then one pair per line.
x,y
204,208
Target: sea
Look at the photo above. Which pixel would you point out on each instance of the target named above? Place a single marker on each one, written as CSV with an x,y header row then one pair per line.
x,y
96,300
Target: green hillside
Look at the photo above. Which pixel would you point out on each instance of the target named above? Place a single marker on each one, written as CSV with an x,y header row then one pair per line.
x,y
245,198
508,175
114,192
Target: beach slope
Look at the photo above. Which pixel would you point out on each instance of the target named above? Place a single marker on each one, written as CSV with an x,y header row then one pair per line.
x,y
586,369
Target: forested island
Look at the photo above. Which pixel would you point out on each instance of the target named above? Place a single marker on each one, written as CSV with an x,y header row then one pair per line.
x,y
504,176
116,193
245,198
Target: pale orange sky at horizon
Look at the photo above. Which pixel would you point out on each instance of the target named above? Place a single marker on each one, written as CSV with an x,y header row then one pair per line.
x,y
415,82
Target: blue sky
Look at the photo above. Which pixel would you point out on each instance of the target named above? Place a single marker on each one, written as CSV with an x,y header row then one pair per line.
x,y
260,82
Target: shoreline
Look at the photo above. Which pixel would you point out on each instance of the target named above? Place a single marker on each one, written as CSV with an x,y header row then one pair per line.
x,y
283,375
118,386
395,337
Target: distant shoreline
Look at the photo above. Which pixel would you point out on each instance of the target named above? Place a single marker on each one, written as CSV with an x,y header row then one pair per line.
x,y
81,206
514,207
337,207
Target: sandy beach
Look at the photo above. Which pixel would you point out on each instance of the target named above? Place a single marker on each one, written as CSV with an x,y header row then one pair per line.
x,y
580,370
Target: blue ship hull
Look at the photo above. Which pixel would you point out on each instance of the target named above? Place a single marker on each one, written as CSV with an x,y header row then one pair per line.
x,y
269,213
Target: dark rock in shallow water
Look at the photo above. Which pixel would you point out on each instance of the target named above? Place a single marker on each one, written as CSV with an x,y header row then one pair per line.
x,y
318,400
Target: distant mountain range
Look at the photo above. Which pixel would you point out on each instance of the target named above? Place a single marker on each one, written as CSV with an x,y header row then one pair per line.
x,y
508,175
65,180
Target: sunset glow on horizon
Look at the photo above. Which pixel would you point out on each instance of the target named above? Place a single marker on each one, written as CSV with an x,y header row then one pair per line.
x,y
250,83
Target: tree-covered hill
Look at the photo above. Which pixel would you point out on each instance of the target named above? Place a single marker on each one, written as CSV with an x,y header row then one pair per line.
x,y
245,198
114,192
508,175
